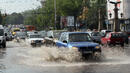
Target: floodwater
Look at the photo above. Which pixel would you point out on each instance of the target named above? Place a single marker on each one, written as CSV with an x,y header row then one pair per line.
x,y
22,58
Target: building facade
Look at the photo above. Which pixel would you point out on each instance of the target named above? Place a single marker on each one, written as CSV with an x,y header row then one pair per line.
x,y
123,14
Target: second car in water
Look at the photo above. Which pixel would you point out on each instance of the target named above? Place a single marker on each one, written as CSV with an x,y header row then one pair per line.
x,y
35,39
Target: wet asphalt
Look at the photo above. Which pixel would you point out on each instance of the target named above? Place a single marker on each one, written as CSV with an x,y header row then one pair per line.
x,y
17,58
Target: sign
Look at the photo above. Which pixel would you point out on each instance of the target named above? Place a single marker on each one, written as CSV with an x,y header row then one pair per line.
x,y
66,21
70,21
110,9
63,21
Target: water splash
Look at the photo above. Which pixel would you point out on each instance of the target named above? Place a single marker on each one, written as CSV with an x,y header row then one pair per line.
x,y
53,56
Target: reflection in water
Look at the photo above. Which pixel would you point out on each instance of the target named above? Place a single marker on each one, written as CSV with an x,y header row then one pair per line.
x,y
2,56
2,53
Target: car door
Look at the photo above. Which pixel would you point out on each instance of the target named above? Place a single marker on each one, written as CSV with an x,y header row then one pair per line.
x,y
105,39
62,41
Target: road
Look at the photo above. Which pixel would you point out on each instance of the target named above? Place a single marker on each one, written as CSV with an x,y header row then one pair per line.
x,y
21,58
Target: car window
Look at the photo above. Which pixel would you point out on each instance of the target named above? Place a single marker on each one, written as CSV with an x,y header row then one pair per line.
x,y
35,36
21,34
79,37
96,34
116,35
107,35
61,37
1,32
50,34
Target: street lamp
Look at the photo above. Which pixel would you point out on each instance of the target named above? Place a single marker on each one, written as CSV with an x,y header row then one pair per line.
x,y
121,15
116,23
110,15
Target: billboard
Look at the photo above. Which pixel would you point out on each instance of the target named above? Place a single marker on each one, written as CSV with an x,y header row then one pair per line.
x,y
110,9
70,21
66,21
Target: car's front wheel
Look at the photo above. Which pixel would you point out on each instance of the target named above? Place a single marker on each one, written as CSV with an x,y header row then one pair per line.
x,y
122,44
4,44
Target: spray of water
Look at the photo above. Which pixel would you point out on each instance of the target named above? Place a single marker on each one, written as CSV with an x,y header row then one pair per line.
x,y
44,56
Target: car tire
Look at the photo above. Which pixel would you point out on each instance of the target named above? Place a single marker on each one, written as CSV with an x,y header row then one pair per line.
x,y
122,44
4,44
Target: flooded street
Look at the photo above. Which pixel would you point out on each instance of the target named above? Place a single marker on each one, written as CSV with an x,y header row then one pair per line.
x,y
21,58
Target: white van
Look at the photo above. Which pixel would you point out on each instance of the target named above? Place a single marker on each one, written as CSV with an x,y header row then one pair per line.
x,y
2,37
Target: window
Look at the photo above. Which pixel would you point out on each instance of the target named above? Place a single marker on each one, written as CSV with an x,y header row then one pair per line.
x,y
1,32
79,37
107,36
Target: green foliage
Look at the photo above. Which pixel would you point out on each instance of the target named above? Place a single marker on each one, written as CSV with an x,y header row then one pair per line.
x,y
93,14
15,18
44,17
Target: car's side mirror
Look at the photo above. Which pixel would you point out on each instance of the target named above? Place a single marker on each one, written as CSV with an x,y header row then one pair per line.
x,y
64,41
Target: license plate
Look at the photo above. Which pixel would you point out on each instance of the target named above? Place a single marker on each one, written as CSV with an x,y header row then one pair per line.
x,y
117,42
38,43
87,51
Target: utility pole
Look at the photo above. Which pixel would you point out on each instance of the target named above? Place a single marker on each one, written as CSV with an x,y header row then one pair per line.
x,y
55,14
99,21
116,20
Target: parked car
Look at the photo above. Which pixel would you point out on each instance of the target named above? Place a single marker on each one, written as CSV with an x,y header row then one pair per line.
x,y
126,37
21,35
2,37
80,41
14,30
35,39
43,34
113,38
9,36
96,36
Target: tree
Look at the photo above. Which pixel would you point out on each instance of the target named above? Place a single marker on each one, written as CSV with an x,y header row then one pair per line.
x,y
14,18
82,10
44,17
92,16
1,18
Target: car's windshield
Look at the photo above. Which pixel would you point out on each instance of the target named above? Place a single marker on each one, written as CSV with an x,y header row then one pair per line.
x,y
116,35
35,36
21,34
1,32
79,37
57,34
96,34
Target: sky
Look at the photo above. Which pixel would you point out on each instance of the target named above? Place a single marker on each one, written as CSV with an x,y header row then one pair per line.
x,y
11,6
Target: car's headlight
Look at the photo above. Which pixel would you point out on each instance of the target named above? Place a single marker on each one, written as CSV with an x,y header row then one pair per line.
x,y
97,47
75,48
